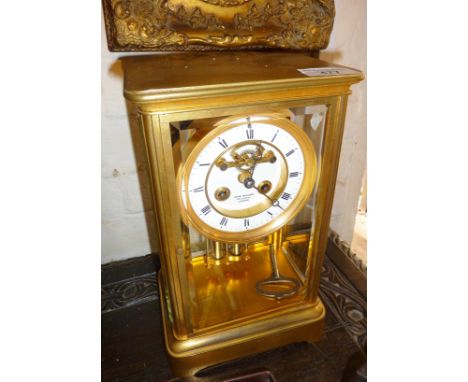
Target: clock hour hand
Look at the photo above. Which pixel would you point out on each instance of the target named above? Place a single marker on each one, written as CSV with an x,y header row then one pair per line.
x,y
264,187
245,177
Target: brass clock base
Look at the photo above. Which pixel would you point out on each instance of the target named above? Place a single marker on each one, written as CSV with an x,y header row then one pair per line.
x,y
188,356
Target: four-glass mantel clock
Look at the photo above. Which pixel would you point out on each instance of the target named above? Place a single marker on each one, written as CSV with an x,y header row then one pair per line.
x,y
242,154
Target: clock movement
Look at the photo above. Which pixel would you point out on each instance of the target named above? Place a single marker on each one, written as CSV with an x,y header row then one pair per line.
x,y
242,152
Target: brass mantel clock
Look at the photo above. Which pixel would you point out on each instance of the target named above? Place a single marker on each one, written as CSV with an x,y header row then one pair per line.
x,y
243,151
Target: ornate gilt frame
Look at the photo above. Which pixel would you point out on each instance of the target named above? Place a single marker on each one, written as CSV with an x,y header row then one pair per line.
x,y
171,25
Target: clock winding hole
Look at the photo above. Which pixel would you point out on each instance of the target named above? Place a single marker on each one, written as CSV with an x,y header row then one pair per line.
x,y
222,193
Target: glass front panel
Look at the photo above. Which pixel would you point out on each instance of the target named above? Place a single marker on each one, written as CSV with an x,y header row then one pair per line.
x,y
247,186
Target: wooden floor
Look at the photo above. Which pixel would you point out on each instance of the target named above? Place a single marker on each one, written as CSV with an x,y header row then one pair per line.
x,y
133,348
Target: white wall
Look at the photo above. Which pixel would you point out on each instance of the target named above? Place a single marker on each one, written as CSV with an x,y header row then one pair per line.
x,y
126,208
124,225
348,46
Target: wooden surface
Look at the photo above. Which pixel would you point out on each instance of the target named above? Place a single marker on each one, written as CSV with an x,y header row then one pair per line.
x,y
133,349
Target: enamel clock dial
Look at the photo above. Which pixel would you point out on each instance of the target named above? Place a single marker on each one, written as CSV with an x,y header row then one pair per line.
x,y
247,177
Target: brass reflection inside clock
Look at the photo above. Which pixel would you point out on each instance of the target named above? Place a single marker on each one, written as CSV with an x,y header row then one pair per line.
x,y
247,177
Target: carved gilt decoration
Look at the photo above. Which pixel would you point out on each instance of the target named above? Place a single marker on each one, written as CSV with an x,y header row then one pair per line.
x,y
143,25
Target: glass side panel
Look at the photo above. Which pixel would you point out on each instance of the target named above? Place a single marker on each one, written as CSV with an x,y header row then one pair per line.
x,y
312,121
247,186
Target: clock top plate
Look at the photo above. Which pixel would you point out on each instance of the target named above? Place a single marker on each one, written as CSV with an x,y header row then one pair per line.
x,y
176,75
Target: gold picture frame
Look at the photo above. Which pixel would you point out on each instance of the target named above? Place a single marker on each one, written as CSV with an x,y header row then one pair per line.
x,y
172,25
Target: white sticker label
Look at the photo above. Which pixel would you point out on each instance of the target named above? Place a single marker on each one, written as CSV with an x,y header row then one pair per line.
x,y
328,71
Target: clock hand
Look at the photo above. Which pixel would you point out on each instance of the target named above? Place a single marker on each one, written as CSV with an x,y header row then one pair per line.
x,y
274,202
245,177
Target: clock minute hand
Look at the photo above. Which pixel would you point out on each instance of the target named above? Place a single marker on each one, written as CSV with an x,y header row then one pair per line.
x,y
274,202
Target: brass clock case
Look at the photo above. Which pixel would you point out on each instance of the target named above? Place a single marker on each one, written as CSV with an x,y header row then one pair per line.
x,y
217,309
310,175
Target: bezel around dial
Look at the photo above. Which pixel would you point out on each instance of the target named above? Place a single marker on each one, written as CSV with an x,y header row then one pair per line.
x,y
309,178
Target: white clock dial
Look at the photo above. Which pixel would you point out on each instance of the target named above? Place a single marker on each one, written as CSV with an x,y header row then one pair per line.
x,y
245,177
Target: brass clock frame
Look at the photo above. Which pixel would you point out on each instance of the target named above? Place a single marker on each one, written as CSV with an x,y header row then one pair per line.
x,y
213,89
310,174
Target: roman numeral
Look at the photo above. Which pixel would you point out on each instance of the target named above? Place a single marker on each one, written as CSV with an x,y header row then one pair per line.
x,y
206,210
223,143
249,131
274,136
223,221
246,222
293,174
290,152
203,164
199,189
269,213
286,196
